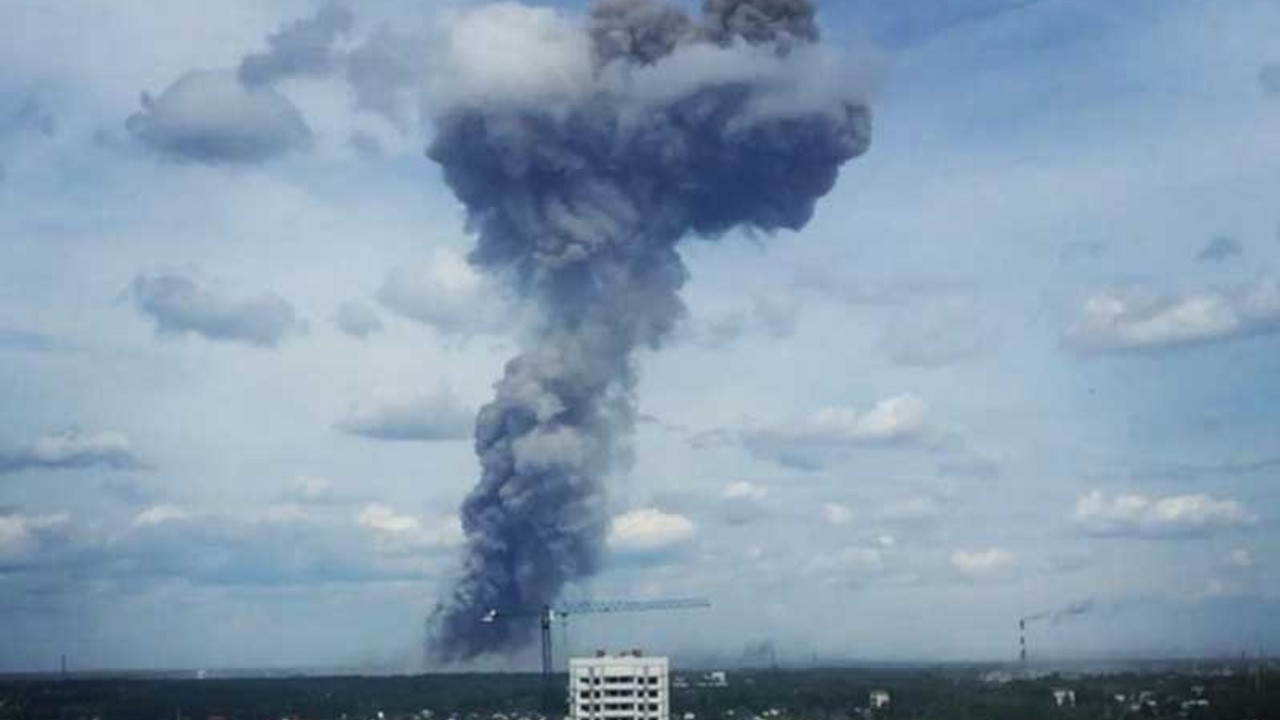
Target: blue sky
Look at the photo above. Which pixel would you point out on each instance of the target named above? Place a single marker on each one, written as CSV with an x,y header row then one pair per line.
x,y
1023,356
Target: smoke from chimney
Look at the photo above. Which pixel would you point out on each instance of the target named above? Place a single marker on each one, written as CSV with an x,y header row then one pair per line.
x,y
1066,612
582,166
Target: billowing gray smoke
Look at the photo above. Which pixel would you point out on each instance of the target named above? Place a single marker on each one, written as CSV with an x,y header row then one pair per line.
x,y
680,128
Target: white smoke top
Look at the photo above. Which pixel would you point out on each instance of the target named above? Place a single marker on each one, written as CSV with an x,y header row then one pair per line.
x,y
584,153
513,54
509,53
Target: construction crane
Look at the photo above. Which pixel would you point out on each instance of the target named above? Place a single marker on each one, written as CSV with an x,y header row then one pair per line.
x,y
1075,609
548,614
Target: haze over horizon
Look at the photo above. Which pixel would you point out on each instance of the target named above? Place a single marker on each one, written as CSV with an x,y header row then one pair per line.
x,y
1020,361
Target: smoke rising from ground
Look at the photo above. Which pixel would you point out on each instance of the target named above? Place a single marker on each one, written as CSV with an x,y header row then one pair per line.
x,y
584,155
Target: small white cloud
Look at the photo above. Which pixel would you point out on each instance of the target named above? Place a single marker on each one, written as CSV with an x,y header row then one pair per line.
x,y
390,415
397,533
72,450
448,295
853,564
743,490
1241,558
309,490
161,514
650,531
983,563
1216,588
913,509
1117,322
898,419
180,304
742,502
837,514
383,519
24,537
1142,515
210,117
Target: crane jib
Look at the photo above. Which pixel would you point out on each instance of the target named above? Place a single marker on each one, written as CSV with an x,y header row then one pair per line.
x,y
595,608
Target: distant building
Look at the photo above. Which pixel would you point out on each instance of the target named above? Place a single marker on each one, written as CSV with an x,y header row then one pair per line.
x,y
879,699
1064,697
716,678
998,677
629,686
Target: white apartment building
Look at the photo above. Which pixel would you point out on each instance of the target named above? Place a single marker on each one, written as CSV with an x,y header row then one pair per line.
x,y
629,686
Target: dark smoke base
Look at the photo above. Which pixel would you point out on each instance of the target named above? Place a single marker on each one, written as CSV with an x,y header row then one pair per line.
x,y
582,210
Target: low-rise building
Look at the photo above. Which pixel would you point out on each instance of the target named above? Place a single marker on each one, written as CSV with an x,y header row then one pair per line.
x,y
630,686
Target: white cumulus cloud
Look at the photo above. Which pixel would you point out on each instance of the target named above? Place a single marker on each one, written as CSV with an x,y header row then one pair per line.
x,y
392,415
836,514
650,530
743,502
181,304
899,419
1144,515
447,294
209,116
395,532
1241,558
160,515
983,563
1118,322
24,537
506,52
743,490
72,450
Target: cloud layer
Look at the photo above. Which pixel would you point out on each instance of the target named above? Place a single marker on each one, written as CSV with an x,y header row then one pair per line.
x,y
447,294
386,415
72,450
650,532
1126,322
208,116
895,420
26,539
985,563
1147,516
181,305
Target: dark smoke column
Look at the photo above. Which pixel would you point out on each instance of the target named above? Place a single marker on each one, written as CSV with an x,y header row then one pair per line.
x,y
685,128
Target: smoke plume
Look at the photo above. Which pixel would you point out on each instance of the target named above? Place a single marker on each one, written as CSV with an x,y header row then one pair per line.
x,y
1062,614
582,165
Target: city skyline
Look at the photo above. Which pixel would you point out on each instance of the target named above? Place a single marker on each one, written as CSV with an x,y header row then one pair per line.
x,y
1019,362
